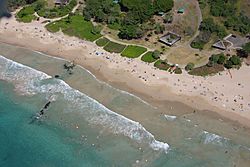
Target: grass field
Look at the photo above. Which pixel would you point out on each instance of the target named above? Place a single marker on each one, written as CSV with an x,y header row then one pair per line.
x,y
133,51
184,55
148,57
26,14
74,26
102,42
113,47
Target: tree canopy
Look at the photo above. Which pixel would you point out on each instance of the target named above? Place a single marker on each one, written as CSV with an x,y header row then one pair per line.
x,y
138,11
13,4
233,19
163,5
246,48
130,16
209,25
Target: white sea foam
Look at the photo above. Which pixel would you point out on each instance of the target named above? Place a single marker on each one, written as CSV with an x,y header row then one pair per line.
x,y
10,71
30,81
119,90
170,117
211,138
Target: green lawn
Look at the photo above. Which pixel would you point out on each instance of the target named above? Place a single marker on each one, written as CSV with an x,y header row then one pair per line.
x,y
148,57
26,14
133,51
102,42
75,26
113,47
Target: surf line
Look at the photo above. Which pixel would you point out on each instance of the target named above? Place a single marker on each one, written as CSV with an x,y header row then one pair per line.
x,y
102,82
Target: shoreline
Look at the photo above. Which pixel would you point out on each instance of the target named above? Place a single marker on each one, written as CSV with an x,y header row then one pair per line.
x,y
115,70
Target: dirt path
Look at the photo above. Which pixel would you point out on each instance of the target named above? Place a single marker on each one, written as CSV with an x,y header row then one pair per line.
x,y
59,18
199,14
185,45
124,43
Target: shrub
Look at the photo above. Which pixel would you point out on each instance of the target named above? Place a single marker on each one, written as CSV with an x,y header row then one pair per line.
x,y
201,40
198,45
162,65
159,29
246,48
235,60
168,18
148,57
205,70
216,59
178,71
156,54
242,53
221,59
189,66
228,64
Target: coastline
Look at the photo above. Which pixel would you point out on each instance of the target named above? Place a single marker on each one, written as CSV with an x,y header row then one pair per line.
x,y
118,72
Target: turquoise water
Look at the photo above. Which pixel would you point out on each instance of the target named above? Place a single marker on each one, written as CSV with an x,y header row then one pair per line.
x,y
43,144
55,141
78,130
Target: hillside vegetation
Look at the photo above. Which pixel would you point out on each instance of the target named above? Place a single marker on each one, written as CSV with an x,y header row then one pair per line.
x,y
131,17
13,4
221,17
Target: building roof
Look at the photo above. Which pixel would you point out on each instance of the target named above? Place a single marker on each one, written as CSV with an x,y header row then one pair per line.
x,y
170,38
161,13
181,10
116,1
61,1
231,41
222,44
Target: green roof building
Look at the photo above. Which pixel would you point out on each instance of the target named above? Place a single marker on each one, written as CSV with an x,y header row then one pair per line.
x,y
181,10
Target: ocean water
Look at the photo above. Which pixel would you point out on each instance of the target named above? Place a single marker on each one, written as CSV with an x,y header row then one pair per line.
x,y
90,123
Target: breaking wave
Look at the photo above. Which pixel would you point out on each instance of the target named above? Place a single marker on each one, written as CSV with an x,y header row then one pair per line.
x,y
211,138
119,90
29,81
170,117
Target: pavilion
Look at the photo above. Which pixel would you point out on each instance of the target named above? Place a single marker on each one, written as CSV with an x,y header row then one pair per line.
x,y
170,38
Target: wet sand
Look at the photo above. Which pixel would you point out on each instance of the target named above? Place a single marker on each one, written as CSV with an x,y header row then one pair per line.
x,y
225,95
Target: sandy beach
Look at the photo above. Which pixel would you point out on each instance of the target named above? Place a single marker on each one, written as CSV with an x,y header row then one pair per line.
x,y
225,94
